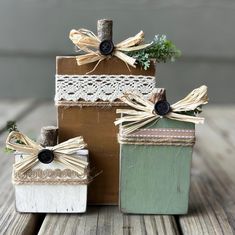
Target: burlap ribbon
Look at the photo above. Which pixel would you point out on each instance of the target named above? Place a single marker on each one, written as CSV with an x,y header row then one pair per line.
x,y
88,42
144,113
62,153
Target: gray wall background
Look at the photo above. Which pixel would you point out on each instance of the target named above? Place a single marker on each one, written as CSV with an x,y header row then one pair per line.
x,y
33,32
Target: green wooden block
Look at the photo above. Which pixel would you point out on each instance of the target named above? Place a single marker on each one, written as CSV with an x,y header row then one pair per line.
x,y
155,179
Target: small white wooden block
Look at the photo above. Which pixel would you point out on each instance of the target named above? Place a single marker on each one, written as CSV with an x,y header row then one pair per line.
x,y
49,198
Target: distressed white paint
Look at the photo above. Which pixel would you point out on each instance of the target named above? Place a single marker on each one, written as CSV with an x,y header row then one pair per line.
x,y
51,198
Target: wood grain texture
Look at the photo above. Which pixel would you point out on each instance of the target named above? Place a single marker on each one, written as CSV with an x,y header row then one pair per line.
x,y
96,125
211,209
155,179
12,222
105,29
212,196
67,65
49,136
103,147
206,212
107,221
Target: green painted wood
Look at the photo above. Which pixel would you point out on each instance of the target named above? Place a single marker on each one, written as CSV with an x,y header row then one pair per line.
x,y
155,179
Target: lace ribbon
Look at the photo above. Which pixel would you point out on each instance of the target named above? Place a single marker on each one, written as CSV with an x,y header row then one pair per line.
x,y
144,113
96,88
21,143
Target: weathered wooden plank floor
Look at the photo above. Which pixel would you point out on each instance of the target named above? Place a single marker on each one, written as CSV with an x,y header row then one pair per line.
x,y
212,197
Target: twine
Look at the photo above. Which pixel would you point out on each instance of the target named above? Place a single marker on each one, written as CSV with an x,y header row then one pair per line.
x,y
21,143
143,111
86,41
157,141
82,104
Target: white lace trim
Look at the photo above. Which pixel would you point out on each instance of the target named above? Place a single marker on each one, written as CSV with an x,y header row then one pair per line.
x,y
101,87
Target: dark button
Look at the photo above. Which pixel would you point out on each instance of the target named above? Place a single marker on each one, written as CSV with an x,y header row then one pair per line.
x,y
162,107
106,47
45,156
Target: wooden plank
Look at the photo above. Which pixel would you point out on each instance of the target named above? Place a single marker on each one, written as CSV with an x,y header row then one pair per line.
x,y
15,223
70,223
212,202
107,220
207,214
151,224
12,222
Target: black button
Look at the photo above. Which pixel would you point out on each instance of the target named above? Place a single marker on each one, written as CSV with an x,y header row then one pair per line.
x,y
162,107
45,156
106,47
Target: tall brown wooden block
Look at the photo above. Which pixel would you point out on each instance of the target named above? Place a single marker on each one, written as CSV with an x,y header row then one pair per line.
x,y
94,120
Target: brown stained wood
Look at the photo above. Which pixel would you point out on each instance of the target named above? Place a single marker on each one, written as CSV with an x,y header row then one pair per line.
x,y
49,136
102,135
67,65
105,29
12,222
74,121
107,221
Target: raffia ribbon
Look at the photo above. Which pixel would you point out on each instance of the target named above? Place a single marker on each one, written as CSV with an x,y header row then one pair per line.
x,y
61,152
144,113
86,41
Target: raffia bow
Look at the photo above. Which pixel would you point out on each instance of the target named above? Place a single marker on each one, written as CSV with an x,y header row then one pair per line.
x,y
144,113
61,152
86,41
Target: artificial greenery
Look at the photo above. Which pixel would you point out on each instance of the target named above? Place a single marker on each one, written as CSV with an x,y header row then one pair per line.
x,y
11,126
161,50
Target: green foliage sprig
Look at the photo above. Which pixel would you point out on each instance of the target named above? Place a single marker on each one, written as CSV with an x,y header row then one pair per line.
x,y
161,50
11,126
